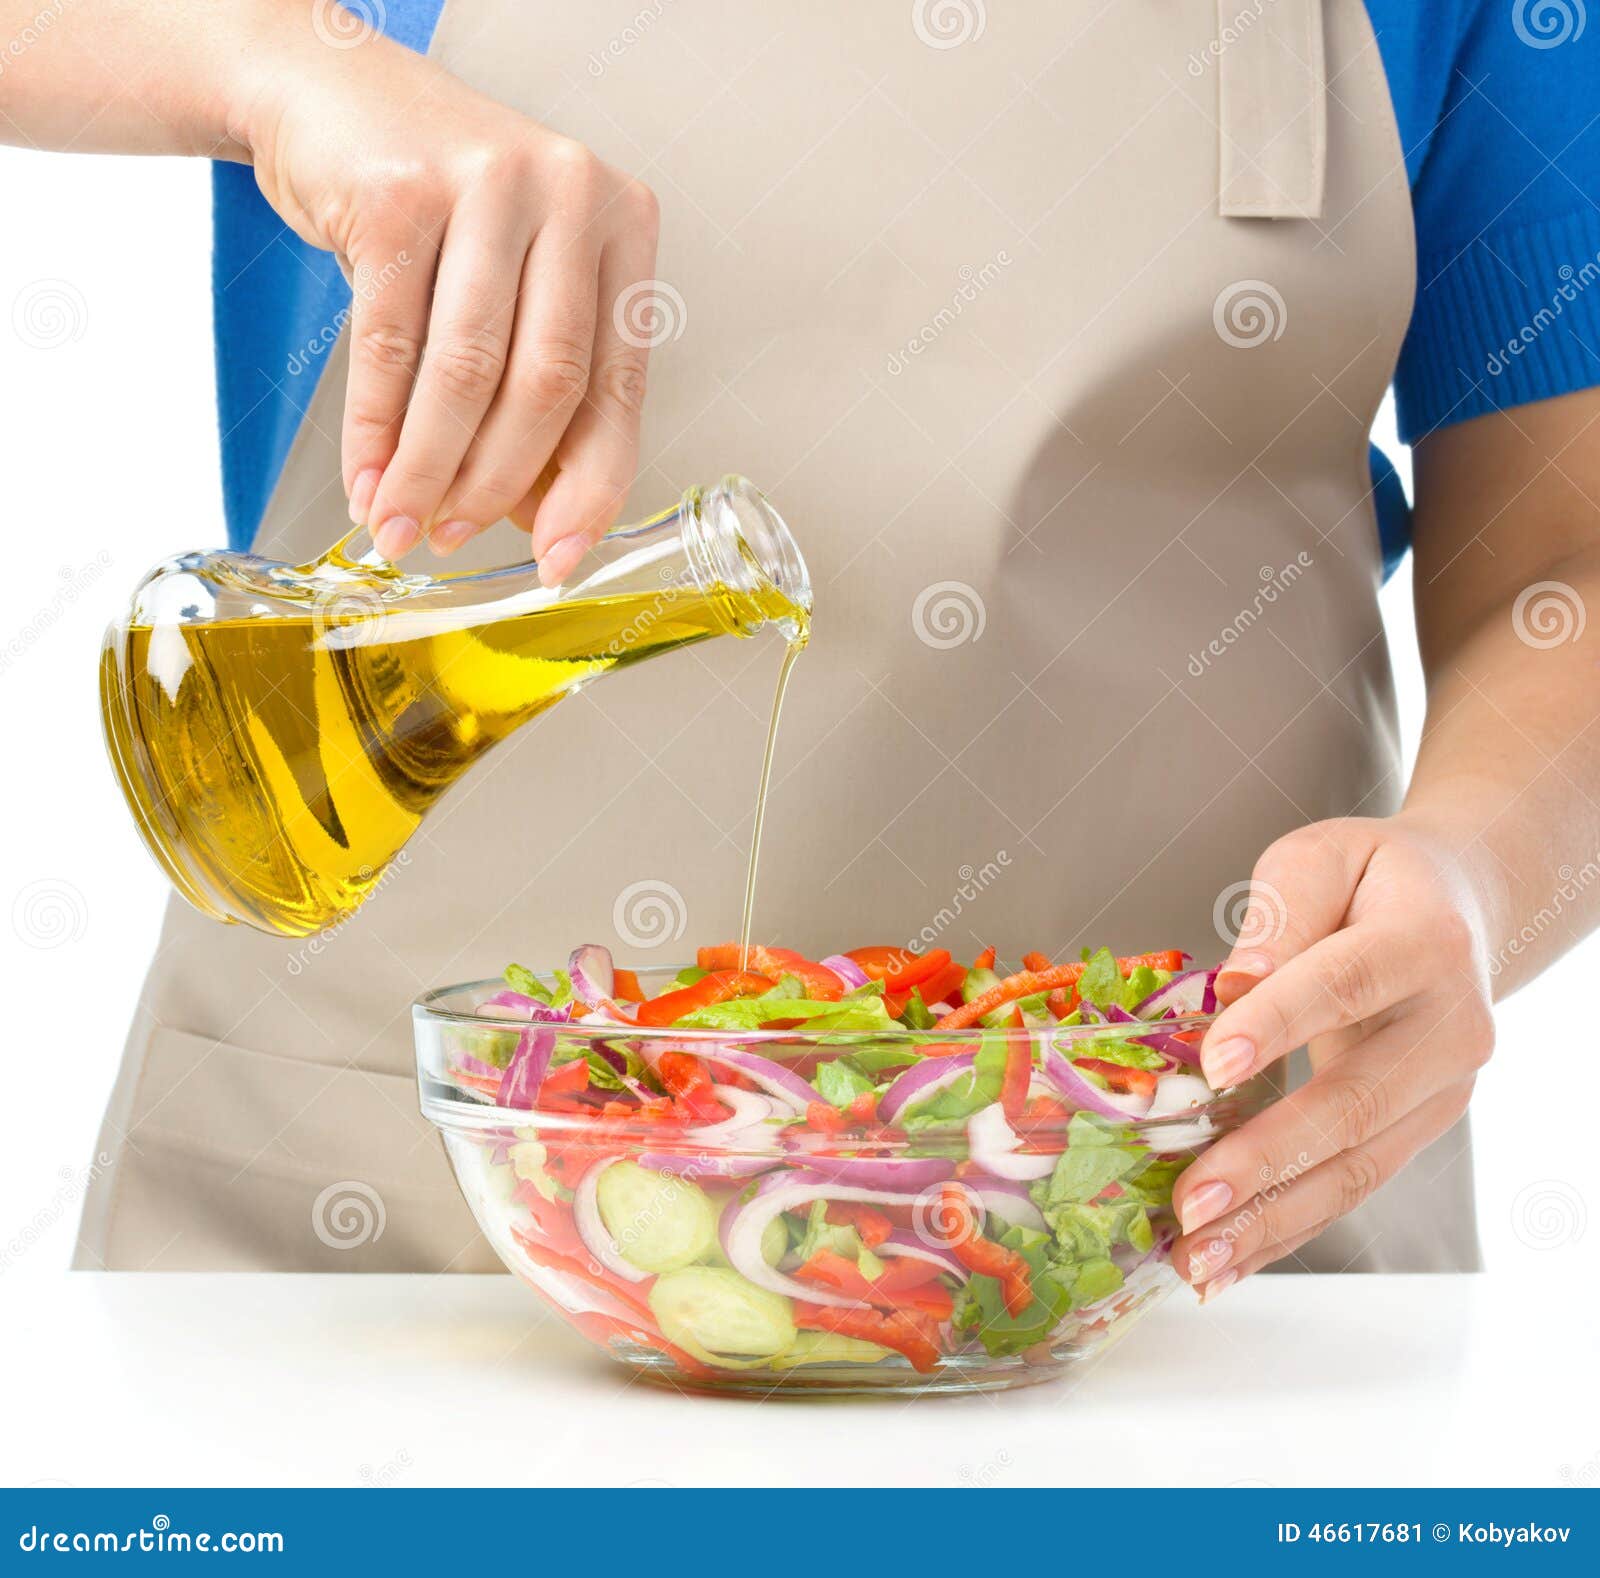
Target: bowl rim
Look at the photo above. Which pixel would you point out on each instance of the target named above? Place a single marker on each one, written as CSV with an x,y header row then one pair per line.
x,y
425,1006
458,1110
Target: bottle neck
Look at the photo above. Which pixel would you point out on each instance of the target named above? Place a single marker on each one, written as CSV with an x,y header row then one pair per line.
x,y
737,546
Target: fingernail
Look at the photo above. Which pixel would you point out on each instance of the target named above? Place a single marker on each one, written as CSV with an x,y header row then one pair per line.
x,y
1228,1062
1217,1286
396,537
449,536
1205,1205
1257,964
1212,1256
361,491
559,562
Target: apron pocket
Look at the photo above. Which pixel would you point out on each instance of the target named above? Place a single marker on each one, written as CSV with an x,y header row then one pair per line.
x,y
236,1159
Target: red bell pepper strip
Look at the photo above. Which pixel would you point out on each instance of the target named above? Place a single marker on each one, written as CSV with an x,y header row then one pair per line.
x,y
1018,1072
863,1108
820,982
582,1269
1028,982
1036,961
562,1084
945,986
826,1118
898,968
1129,1081
627,988
720,986
689,1081
981,1254
892,1329
870,1223
601,1329
985,960
903,1285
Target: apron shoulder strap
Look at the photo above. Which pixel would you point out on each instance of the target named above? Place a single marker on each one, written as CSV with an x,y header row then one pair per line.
x,y
1273,112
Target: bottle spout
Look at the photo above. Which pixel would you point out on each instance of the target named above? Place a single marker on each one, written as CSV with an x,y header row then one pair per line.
x,y
737,540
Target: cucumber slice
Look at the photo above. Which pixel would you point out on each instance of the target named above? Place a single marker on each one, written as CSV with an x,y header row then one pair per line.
x,y
705,1308
657,1221
828,1347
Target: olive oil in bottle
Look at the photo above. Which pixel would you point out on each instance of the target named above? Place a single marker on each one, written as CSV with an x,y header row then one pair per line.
x,y
280,732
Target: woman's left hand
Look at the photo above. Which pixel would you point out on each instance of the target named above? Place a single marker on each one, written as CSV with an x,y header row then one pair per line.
x,y
1363,941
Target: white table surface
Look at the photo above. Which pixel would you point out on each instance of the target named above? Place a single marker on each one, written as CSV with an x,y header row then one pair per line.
x,y
413,1381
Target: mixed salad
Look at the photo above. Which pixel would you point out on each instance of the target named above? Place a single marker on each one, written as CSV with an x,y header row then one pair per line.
x,y
772,1161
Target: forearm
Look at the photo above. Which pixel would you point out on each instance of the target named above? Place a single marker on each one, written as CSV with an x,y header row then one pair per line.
x,y
1508,773
150,76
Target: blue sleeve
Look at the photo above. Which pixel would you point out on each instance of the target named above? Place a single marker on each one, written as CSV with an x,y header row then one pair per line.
x,y
278,305
1498,103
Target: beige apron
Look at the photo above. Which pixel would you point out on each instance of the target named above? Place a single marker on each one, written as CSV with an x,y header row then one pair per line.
x,y
1056,332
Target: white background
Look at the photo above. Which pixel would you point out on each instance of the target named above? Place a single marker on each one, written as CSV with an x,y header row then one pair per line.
x,y
107,412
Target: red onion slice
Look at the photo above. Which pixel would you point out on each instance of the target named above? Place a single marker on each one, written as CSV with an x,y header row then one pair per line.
x,y
921,1081
1177,1094
749,1108
593,977
1088,1097
995,1148
743,1224
525,1073
592,1229
848,971
513,1005
781,1082
901,1242
1188,992
1008,1200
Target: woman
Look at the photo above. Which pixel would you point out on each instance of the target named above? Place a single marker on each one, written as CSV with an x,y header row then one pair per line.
x,y
1058,337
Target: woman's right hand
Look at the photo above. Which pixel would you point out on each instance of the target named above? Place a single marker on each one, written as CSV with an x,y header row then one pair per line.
x,y
491,372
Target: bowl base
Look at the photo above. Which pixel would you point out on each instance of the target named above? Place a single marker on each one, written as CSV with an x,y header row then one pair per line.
x,y
885,1379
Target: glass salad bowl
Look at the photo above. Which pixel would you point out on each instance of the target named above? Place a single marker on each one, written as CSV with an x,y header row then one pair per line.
x,y
841,1212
